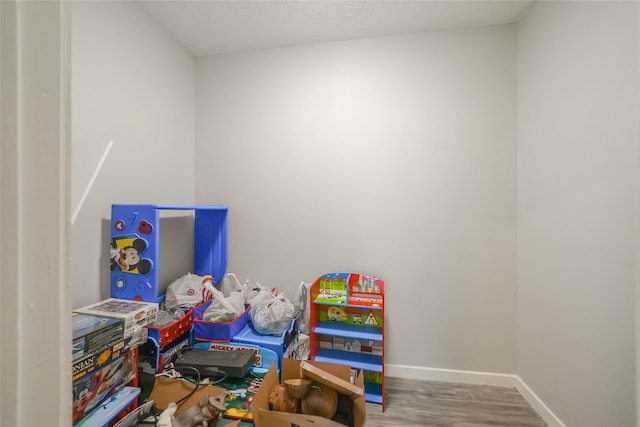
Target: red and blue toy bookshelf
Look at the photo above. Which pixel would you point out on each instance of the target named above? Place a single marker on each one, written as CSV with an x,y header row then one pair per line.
x,y
347,326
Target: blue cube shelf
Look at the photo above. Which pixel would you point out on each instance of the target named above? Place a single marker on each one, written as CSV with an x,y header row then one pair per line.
x,y
135,246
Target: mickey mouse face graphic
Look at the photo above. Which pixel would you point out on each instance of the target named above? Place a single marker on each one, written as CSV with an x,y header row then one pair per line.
x,y
130,255
126,255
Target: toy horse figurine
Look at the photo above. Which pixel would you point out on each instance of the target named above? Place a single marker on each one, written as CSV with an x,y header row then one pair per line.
x,y
205,414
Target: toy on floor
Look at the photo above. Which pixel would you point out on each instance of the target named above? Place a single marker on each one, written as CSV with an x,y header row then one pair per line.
x,y
205,414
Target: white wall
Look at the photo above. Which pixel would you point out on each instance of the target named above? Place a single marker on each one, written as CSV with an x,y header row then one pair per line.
x,y
397,157
392,156
133,84
577,208
34,239
637,307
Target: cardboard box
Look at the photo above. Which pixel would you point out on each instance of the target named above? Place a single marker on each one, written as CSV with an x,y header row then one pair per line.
x,y
291,369
135,314
108,353
96,386
322,376
92,333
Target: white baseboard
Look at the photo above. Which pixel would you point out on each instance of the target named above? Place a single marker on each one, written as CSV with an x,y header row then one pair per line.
x,y
450,375
480,378
538,405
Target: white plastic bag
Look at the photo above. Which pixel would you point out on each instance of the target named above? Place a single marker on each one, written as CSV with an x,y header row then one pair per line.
x,y
223,308
250,291
229,283
186,291
272,316
262,296
298,348
301,302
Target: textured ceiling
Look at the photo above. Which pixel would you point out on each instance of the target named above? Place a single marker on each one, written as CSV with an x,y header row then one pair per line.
x,y
209,27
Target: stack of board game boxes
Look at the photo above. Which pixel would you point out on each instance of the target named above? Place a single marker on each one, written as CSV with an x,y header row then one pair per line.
x,y
105,336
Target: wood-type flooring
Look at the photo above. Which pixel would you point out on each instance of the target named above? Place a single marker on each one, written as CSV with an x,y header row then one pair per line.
x,y
410,402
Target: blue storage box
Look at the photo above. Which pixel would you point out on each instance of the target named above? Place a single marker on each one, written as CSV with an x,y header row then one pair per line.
x,y
278,344
217,331
109,410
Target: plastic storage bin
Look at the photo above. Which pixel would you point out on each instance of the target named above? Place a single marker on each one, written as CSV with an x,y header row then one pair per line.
x,y
217,331
162,343
164,336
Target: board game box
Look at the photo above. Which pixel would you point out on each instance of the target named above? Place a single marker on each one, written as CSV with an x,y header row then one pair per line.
x,y
91,362
91,333
134,314
92,389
